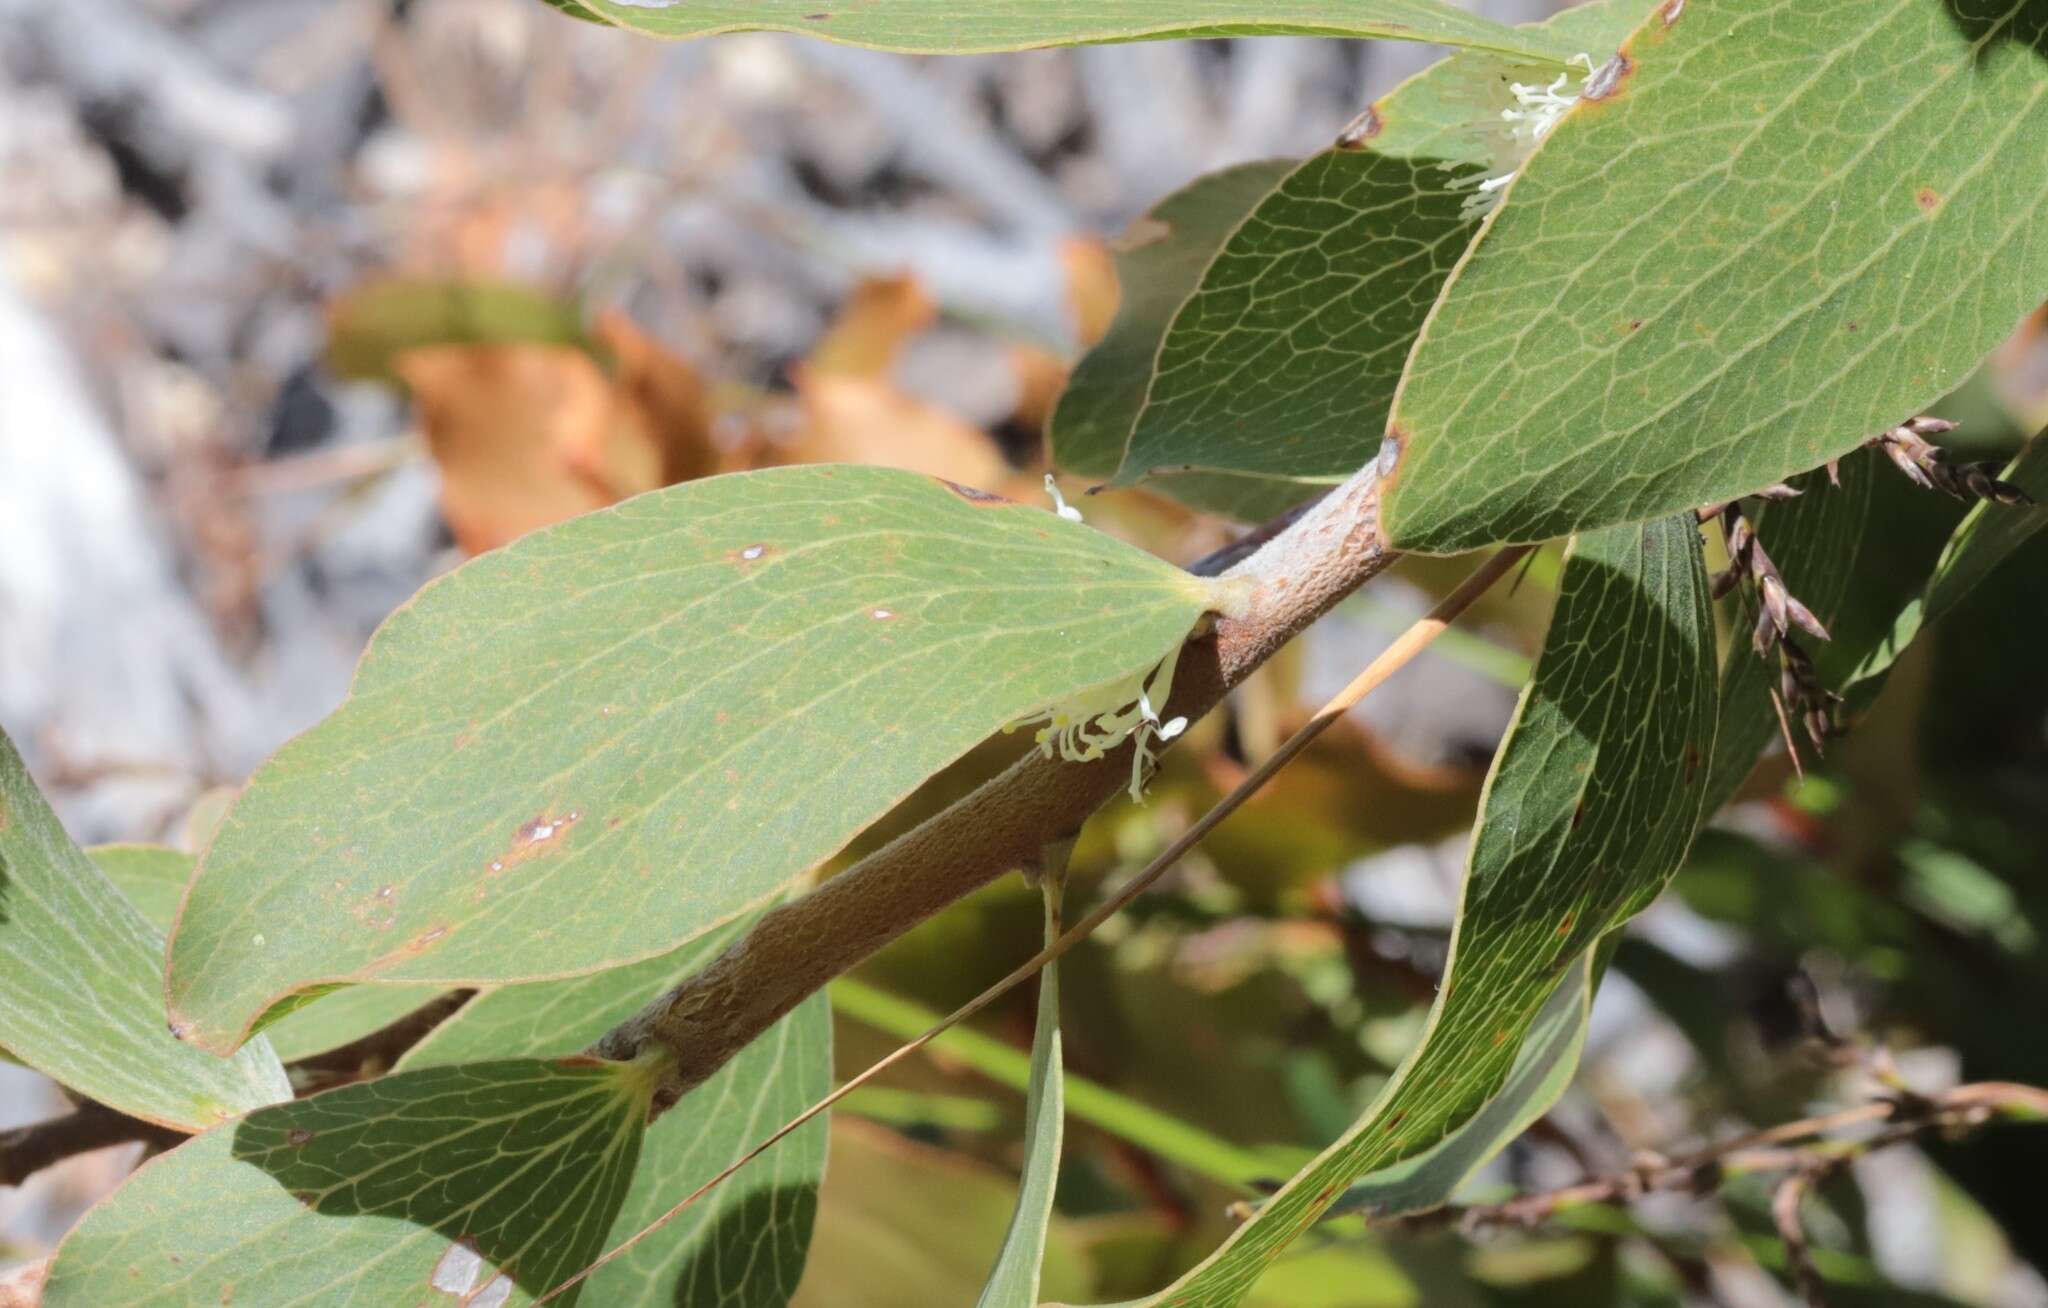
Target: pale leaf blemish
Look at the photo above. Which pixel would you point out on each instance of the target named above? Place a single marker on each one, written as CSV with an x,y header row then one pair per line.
x,y
752,552
881,615
1607,79
493,1295
457,1270
298,1137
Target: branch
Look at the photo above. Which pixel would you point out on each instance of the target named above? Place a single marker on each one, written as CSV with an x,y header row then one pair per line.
x,y
1312,563
1804,1151
1390,660
379,1051
26,1150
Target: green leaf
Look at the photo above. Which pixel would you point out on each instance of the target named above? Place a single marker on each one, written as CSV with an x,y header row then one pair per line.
x,y
153,878
1158,263
1985,537
81,994
743,1244
1589,809
585,749
1813,541
1781,229
1013,1283
1283,362
485,1184
1543,1069
926,27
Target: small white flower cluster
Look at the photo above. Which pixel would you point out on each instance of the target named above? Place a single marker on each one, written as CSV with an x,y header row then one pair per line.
x,y
1084,728
1536,110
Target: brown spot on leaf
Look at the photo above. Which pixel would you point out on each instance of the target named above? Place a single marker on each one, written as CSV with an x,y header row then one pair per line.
x,y
1606,81
1500,1035
579,1060
1362,129
1635,324
307,1199
1692,763
1564,928
1928,200
298,1137
430,936
1578,814
816,18
1394,1121
538,835
978,498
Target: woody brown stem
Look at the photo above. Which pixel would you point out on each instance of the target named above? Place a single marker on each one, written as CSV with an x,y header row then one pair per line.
x,y
26,1150
1301,573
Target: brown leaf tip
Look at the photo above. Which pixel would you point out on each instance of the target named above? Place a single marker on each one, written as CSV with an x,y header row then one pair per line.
x,y
1362,129
1605,83
979,498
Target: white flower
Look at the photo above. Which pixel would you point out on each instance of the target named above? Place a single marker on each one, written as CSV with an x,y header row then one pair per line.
x,y
1088,726
1059,502
1539,107
1536,110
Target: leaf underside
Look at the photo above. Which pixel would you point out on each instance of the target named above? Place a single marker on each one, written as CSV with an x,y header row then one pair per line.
x,y
1589,809
936,27
1784,227
153,877
1277,373
1014,1281
483,1185
742,1245
585,749
81,991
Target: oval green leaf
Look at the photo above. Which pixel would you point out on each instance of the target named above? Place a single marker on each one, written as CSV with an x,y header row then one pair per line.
x,y
928,27
81,997
743,1244
1750,253
483,1185
153,877
1589,809
591,746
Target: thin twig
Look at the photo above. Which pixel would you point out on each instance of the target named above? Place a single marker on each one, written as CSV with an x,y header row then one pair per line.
x,y
1308,566
1396,656
1786,1200
1811,1146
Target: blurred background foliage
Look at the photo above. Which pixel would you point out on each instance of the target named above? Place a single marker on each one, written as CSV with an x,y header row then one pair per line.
x,y
302,302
